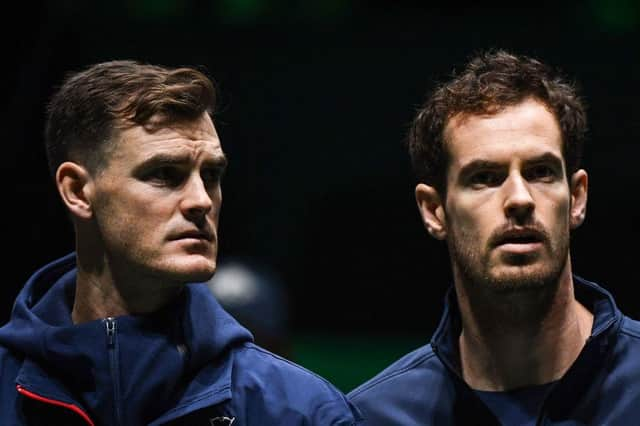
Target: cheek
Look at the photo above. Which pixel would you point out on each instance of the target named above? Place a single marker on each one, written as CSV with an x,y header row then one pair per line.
x,y
126,224
133,216
559,212
475,222
216,199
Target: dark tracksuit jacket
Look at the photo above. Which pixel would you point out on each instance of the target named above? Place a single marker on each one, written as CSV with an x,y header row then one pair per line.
x,y
189,364
425,387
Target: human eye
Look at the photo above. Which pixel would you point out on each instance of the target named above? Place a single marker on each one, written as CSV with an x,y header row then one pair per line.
x,y
165,176
484,178
212,175
541,172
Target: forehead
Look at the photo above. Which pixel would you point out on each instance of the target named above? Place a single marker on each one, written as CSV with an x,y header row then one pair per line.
x,y
520,131
194,139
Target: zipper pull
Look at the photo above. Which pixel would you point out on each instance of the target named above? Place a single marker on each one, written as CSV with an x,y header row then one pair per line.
x,y
110,324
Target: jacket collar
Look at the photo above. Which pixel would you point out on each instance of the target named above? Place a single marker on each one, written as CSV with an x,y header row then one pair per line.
x,y
177,357
595,298
569,390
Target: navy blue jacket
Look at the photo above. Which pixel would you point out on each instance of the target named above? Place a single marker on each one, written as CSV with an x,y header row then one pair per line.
x,y
189,364
425,387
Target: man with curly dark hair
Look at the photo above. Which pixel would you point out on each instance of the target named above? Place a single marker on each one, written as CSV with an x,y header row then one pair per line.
x,y
523,341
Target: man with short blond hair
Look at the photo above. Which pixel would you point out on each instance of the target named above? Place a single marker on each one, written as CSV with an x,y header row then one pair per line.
x,y
123,331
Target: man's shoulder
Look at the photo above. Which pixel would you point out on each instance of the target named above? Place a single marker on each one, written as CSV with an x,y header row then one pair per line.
x,y
9,366
287,387
630,327
415,367
627,345
279,370
416,389
10,362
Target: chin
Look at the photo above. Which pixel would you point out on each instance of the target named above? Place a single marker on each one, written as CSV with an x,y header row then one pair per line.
x,y
190,270
522,278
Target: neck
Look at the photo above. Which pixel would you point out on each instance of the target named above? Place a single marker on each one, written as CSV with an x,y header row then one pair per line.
x,y
521,338
103,289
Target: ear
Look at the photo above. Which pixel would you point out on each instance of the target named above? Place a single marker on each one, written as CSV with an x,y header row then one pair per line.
x,y
75,186
579,186
431,210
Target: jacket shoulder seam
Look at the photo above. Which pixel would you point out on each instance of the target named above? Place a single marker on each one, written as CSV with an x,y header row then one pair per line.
x,y
298,367
334,395
628,328
390,375
256,348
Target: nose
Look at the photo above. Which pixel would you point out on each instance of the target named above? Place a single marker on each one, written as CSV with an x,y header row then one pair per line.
x,y
196,201
518,201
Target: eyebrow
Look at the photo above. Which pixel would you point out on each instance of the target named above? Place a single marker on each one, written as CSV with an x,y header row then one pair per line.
x,y
547,157
162,159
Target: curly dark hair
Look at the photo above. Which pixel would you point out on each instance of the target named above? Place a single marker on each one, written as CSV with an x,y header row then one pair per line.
x,y
89,109
491,81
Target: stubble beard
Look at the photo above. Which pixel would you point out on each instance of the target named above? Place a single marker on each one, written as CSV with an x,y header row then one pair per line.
x,y
521,292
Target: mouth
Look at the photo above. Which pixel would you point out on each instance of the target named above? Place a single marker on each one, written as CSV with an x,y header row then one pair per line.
x,y
194,234
519,238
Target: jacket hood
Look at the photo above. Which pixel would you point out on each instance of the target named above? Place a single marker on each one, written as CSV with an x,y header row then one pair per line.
x,y
127,368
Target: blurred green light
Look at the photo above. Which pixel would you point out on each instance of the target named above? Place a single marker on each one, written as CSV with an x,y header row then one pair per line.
x,y
617,15
241,10
327,9
155,9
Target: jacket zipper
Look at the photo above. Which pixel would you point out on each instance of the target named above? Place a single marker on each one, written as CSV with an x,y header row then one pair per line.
x,y
111,328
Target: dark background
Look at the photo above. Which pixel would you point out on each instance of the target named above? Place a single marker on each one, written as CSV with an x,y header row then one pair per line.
x,y
316,97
